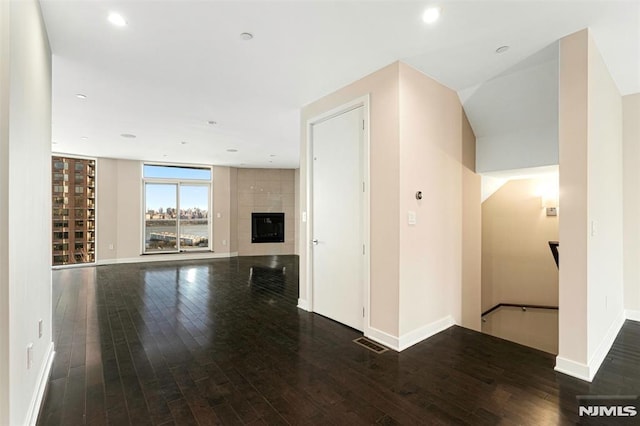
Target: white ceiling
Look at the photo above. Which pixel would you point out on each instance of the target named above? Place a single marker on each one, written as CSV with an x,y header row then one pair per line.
x,y
179,64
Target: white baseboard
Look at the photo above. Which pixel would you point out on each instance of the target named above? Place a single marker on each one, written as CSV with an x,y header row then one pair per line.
x,y
167,257
605,344
416,336
409,339
304,305
43,378
632,315
588,371
572,368
383,338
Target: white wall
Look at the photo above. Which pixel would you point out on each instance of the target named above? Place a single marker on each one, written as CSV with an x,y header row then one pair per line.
x,y
515,115
5,89
631,170
25,277
605,264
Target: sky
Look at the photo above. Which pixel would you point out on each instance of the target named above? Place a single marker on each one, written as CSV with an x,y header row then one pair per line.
x,y
163,195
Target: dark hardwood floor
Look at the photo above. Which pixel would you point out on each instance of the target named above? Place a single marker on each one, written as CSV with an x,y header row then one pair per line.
x,y
222,342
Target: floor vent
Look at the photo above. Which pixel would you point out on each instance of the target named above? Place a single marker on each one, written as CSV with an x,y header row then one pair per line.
x,y
372,346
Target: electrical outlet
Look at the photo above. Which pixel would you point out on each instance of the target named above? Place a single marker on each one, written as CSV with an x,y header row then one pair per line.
x,y
40,329
110,246
224,242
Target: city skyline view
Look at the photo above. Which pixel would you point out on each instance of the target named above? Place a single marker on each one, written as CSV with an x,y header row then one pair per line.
x,y
164,196
160,195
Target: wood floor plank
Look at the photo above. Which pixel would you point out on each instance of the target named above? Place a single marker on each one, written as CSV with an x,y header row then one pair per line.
x,y
221,342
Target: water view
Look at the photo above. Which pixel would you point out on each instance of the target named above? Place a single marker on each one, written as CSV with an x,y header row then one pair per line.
x,y
161,235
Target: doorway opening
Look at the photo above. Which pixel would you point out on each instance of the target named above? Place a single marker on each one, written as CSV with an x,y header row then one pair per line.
x,y
520,220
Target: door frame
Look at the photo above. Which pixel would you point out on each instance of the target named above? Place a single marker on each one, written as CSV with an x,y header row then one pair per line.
x,y
364,102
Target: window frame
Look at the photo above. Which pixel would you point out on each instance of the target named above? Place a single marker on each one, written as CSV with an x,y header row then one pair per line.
x,y
178,182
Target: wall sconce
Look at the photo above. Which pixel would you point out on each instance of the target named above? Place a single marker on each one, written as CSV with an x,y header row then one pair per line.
x,y
550,204
548,192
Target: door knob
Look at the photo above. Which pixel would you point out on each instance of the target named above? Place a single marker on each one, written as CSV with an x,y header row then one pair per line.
x,y
315,242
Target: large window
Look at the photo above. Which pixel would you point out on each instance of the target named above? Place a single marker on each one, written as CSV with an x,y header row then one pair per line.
x,y
177,204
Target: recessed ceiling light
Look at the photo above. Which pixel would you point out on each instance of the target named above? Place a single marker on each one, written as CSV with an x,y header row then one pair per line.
x,y
128,135
84,138
165,155
246,36
116,19
272,155
213,123
502,49
183,142
232,150
81,96
54,142
431,15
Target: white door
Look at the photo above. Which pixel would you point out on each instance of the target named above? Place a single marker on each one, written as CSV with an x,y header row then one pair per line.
x,y
337,235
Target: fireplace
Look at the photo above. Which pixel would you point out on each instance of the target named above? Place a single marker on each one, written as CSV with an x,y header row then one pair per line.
x,y
267,227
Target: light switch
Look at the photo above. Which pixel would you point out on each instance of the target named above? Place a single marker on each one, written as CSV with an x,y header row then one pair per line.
x,y
218,215
593,228
411,217
304,216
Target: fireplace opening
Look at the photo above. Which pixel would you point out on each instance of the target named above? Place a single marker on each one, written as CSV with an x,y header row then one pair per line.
x,y
267,227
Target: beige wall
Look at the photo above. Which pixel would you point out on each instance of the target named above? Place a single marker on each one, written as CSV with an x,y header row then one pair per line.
x,y
265,191
517,264
382,86
296,210
119,204
107,204
431,122
221,213
417,128
120,208
233,210
631,169
605,266
573,228
236,193
471,232
25,206
591,289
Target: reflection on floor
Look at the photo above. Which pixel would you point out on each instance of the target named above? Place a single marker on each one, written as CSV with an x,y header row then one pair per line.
x,y
221,341
536,328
